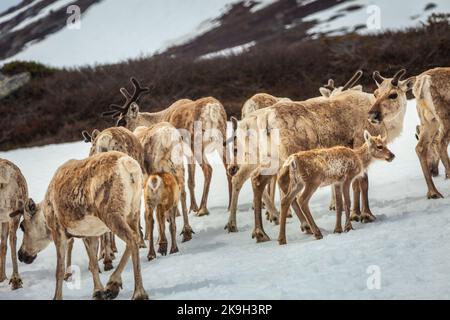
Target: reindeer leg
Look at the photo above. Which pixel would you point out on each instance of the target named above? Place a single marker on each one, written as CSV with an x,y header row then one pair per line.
x,y
259,183
207,173
126,232
286,202
107,253
338,194
3,250
61,247
333,199
173,232
306,195
443,141
366,215
347,205
226,156
356,211
422,149
162,240
149,226
15,281
91,245
187,229
273,213
113,243
191,184
68,274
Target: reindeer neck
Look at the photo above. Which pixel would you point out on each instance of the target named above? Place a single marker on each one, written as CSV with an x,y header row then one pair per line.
x,y
364,155
150,118
394,127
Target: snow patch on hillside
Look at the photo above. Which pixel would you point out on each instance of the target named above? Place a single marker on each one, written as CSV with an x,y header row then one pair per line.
x,y
13,14
409,242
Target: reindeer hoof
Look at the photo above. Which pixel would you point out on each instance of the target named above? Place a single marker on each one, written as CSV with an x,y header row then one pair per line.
x,y
435,173
140,296
367,218
112,290
305,228
355,217
99,295
348,228
434,195
16,283
174,250
107,265
68,277
260,236
338,230
162,249
282,242
318,236
202,212
151,256
187,233
231,227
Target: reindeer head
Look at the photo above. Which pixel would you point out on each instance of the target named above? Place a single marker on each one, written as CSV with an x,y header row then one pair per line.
x,y
390,97
378,148
128,113
36,235
329,90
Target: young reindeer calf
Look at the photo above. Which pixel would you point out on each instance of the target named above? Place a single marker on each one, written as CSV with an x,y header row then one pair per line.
x,y
161,192
338,166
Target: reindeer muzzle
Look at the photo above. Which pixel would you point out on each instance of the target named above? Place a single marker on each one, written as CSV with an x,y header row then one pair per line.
x,y
391,157
26,258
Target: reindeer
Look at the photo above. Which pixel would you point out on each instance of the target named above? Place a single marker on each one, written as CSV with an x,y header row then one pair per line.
x,y
205,114
240,176
306,171
161,192
85,199
433,158
340,120
164,151
431,90
112,139
13,195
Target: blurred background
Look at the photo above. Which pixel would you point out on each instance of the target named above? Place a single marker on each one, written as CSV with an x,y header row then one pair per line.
x,y
62,62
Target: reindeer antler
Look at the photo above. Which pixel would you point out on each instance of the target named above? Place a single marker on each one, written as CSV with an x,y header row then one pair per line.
x,y
353,80
330,85
117,110
397,77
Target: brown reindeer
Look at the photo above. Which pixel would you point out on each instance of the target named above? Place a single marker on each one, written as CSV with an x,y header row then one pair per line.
x,y
431,91
113,139
161,192
433,158
85,199
242,174
340,120
164,151
205,115
13,196
306,171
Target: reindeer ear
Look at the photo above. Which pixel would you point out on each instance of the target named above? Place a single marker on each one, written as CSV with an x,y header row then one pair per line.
x,y
378,78
16,213
367,136
31,207
407,84
87,137
325,92
134,108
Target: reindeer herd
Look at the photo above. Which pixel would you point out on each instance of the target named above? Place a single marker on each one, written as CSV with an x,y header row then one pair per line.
x,y
298,146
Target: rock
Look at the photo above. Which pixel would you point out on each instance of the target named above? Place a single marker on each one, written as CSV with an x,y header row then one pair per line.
x,y
11,84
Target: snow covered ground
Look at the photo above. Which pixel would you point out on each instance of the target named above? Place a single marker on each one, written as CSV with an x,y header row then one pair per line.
x,y
409,243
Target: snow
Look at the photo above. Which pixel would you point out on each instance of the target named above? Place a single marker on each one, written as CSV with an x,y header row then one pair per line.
x,y
393,15
13,14
409,242
140,28
228,52
55,6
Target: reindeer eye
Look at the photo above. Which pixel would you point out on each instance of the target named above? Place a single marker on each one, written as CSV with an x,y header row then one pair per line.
x,y
393,96
380,147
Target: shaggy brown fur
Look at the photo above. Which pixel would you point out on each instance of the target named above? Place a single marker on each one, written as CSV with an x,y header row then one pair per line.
x,y
85,199
13,196
161,192
164,151
306,171
182,115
